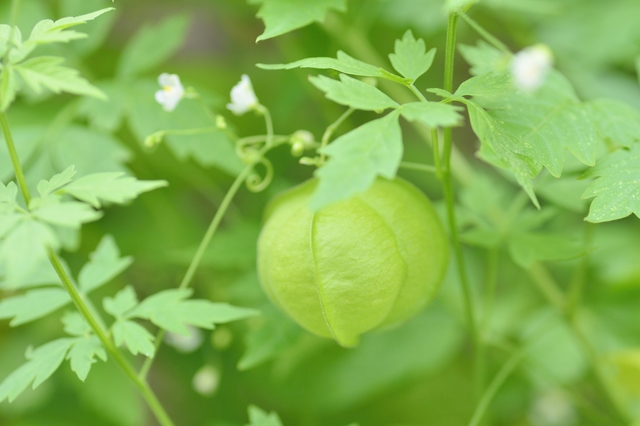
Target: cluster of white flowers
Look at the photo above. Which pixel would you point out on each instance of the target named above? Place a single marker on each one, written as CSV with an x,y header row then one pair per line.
x,y
530,67
243,98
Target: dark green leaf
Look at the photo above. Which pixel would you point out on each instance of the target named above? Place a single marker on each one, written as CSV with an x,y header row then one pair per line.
x,y
282,16
105,263
354,93
43,362
410,57
33,305
356,158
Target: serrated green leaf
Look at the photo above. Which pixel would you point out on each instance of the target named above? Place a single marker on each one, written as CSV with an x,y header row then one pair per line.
x,y
43,362
98,188
489,84
105,263
8,197
24,247
121,303
46,72
8,221
71,214
356,158
46,187
615,121
410,57
432,114
282,16
169,310
135,337
82,355
153,45
258,417
33,305
354,93
529,247
344,64
6,33
75,325
617,187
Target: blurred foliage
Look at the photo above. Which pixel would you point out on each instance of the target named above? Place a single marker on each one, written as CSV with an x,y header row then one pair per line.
x,y
417,374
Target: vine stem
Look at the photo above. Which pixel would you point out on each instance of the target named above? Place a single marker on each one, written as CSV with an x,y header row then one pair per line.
x,y
330,129
447,183
197,258
77,299
551,290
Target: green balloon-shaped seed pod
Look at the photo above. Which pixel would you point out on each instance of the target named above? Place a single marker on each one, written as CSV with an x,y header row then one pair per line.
x,y
371,261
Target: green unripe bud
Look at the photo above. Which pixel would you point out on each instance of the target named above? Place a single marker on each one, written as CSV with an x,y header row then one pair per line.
x,y
368,262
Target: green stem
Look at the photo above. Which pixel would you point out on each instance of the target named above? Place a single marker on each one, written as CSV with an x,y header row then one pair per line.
x,y
418,166
197,258
485,34
268,123
447,182
551,290
22,182
416,92
77,299
435,144
332,128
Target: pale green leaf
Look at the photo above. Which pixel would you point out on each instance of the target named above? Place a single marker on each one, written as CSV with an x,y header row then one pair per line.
x,y
170,310
106,114
283,16
489,84
24,247
485,58
356,158
432,114
7,33
354,93
529,247
33,305
410,57
71,214
115,187
344,64
45,72
152,46
82,355
615,121
258,417
43,362
46,187
124,301
134,336
8,87
97,31
105,264
75,324
455,5
8,197
617,187
48,31
8,221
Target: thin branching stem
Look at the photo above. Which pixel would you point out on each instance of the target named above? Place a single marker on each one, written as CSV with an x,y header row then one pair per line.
x,y
329,131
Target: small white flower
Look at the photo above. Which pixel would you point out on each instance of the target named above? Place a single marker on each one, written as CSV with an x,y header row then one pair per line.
x,y
530,67
243,98
206,380
171,93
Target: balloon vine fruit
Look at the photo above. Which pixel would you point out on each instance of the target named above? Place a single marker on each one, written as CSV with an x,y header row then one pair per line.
x,y
371,261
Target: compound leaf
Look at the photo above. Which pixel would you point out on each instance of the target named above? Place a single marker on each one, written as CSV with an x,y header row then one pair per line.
x,y
105,263
283,16
356,158
171,311
617,189
354,93
46,72
111,187
82,355
43,362
135,337
410,57
33,305
344,64
46,187
432,114
152,46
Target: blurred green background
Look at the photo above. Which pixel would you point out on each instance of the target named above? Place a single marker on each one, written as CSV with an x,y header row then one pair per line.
x,y
418,374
